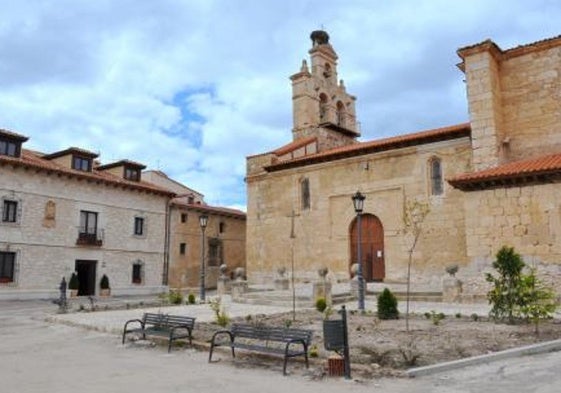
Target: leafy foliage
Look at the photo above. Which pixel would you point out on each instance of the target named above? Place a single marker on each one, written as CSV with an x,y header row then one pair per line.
x,y
321,304
191,299
73,283
222,318
387,305
516,295
104,282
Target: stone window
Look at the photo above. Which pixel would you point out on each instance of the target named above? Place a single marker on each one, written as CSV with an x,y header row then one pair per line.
x,y
221,227
81,163
7,266
132,174
323,107
436,176
340,114
305,193
10,211
214,252
182,248
183,218
137,273
139,226
10,148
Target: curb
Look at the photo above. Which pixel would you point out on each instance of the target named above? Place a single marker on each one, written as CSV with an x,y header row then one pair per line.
x,y
549,346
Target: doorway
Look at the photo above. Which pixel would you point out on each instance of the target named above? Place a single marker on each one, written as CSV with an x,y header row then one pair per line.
x,y
371,247
86,276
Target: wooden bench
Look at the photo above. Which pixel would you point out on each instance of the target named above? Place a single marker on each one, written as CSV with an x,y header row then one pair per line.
x,y
265,339
174,327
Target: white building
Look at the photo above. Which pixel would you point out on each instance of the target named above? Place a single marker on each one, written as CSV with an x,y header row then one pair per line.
x,y
63,212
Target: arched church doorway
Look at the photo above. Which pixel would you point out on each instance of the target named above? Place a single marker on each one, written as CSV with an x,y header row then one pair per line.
x,y
371,246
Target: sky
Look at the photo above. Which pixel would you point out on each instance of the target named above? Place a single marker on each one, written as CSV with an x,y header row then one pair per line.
x,y
193,87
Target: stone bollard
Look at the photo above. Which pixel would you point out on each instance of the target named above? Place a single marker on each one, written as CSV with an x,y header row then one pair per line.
x,y
281,282
322,288
239,285
451,289
223,285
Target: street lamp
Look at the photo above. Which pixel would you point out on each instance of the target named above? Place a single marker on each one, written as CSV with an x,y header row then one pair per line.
x,y
358,202
203,221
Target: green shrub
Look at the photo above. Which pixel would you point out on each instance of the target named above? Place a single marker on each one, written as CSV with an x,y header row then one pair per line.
x,y
321,304
458,315
222,318
475,317
104,282
175,297
74,283
191,299
387,305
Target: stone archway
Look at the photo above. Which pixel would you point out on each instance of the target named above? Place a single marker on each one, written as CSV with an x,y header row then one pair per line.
x,y
372,247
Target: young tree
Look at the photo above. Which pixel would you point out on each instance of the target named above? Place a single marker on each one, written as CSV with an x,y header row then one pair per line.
x,y
505,296
538,300
413,218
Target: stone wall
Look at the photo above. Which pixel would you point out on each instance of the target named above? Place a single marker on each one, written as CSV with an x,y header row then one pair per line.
x,y
46,248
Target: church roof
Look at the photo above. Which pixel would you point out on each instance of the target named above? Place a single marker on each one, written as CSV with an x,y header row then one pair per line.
x,y
357,149
536,170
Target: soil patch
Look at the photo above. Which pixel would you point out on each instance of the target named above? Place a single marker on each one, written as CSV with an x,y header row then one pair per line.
x,y
384,347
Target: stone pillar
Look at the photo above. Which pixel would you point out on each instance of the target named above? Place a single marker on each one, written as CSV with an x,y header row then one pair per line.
x,y
322,288
239,285
223,285
281,282
354,281
451,289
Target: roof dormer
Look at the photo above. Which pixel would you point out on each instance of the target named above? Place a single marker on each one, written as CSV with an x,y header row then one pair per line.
x,y
74,158
126,169
10,143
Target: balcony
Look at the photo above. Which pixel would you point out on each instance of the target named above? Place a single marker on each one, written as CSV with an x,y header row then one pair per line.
x,y
89,239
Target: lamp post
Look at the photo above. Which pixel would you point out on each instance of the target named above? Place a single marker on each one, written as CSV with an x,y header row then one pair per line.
x,y
203,221
358,202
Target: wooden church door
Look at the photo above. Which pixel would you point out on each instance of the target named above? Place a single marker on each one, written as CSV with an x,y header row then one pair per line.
x,y
371,246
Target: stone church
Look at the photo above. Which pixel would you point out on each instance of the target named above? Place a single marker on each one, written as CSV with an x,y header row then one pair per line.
x,y
489,182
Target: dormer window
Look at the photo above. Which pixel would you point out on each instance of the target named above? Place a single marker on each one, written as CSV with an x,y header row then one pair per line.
x,y
81,163
10,143
132,174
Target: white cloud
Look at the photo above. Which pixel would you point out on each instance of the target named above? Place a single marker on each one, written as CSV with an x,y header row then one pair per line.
x,y
193,87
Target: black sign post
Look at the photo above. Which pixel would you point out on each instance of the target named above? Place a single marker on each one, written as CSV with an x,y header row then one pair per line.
x,y
336,338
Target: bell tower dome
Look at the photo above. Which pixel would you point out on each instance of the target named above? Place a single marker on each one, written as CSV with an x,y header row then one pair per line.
x,y
320,103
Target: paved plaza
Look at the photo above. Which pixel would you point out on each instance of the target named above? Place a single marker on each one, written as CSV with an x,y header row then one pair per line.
x,y
42,351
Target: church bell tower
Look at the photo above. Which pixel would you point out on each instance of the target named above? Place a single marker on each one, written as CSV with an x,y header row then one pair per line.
x,y
320,103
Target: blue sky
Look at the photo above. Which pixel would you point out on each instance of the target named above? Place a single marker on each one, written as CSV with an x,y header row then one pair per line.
x,y
192,87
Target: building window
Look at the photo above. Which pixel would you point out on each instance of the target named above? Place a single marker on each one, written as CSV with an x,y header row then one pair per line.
x,y
305,193
183,218
190,199
88,222
340,114
81,163
9,148
132,174
214,252
139,226
222,227
7,263
436,176
322,108
10,211
137,273
182,247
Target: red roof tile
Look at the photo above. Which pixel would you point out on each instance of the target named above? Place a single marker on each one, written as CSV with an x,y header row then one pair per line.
x,y
294,145
31,159
211,209
531,170
357,149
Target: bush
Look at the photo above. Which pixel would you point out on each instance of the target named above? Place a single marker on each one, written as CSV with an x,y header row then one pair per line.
x,y
175,297
191,299
104,282
74,283
321,304
387,305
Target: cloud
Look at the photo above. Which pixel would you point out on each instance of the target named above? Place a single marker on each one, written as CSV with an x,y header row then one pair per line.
x,y
192,88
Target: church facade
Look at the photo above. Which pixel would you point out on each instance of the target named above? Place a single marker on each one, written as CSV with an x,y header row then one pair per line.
x,y
489,182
